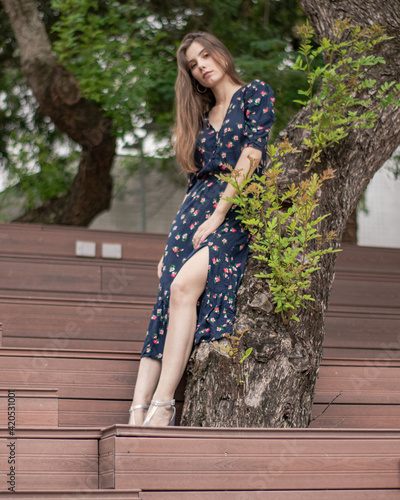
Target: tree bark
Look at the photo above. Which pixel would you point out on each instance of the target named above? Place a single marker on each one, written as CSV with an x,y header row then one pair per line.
x,y
283,366
350,231
58,94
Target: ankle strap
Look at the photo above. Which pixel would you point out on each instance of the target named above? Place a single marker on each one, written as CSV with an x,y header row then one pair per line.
x,y
162,403
138,407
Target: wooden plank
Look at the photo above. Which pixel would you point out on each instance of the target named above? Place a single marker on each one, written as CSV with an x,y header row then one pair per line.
x,y
77,325
82,377
118,279
74,433
377,355
42,276
368,260
93,413
355,330
250,459
32,407
107,462
273,495
366,293
138,280
134,346
93,494
60,240
30,239
55,464
75,374
372,384
367,416
104,413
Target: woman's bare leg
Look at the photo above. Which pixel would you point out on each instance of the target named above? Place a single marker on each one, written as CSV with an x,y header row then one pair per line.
x,y
186,289
146,383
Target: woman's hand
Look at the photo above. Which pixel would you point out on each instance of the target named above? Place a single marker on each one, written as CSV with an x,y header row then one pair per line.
x,y
159,267
208,227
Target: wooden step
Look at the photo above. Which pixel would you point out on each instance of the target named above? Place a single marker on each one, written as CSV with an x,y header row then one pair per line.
x,y
359,381
208,495
81,377
105,278
94,412
365,292
55,324
102,324
76,374
96,388
369,260
362,333
195,459
31,407
93,494
35,239
273,495
356,416
355,289
51,459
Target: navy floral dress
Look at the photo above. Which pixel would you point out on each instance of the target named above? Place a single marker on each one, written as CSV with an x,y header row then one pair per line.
x,y
247,123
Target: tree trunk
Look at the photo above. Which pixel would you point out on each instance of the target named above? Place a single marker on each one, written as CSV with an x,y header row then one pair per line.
x,y
59,97
350,231
283,366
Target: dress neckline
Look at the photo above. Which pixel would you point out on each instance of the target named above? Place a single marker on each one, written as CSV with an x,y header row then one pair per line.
x,y
227,109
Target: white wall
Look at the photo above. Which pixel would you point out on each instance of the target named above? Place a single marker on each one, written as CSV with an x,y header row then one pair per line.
x,y
380,227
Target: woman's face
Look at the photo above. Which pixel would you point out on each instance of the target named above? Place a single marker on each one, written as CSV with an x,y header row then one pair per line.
x,y
203,66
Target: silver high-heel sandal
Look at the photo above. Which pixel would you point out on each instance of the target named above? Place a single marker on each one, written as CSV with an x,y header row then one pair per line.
x,y
132,412
157,404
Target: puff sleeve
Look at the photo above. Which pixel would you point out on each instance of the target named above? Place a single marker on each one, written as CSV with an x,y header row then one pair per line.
x,y
259,114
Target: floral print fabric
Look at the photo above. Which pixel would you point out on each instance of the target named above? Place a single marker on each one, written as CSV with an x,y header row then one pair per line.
x,y
247,123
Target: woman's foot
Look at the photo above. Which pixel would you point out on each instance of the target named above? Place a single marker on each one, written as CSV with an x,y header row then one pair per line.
x,y
137,414
161,414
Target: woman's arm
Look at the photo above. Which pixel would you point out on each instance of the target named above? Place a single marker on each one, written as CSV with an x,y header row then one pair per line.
x,y
217,218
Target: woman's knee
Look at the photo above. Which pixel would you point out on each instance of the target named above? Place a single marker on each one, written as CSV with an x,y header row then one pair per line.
x,y
191,280
181,291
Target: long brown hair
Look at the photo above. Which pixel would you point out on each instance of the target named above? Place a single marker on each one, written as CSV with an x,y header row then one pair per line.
x,y
191,104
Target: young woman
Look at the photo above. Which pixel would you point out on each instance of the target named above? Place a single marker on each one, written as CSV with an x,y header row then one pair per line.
x,y
219,121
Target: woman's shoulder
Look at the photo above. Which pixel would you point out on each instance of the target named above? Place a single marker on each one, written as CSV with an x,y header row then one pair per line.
x,y
256,88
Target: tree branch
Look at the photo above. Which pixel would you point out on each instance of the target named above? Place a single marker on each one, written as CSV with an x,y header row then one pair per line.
x,y
58,94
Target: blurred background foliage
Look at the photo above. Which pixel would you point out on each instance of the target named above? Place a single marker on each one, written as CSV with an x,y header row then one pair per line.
x,y
123,54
